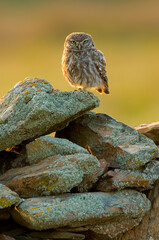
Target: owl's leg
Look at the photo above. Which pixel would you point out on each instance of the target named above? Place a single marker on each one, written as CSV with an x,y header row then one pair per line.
x,y
82,88
99,90
105,90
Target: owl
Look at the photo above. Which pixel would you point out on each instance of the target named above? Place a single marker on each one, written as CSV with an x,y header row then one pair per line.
x,y
83,65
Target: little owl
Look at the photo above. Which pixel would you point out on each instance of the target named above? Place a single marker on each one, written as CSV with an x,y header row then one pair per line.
x,y
83,65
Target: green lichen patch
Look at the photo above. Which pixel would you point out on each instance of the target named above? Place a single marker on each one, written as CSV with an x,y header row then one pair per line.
x,y
7,197
56,174
122,146
81,209
33,108
46,146
139,179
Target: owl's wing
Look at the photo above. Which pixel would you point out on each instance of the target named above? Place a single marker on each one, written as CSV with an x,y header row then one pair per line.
x,y
101,67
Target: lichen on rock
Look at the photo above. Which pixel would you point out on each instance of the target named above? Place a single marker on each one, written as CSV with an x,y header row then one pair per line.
x,y
120,145
47,146
56,174
7,197
33,108
81,209
59,176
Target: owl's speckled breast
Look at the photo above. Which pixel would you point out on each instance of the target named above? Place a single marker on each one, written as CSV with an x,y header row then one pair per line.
x,y
81,69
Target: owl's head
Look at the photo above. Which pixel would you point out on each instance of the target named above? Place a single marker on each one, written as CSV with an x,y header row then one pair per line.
x,y
79,41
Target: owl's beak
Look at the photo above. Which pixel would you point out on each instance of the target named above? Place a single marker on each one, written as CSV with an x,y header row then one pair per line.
x,y
79,46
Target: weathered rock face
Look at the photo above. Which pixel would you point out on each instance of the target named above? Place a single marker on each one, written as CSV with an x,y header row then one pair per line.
x,y
80,209
5,237
89,181
7,197
43,169
122,146
56,174
47,146
33,108
150,130
118,179
148,228
56,235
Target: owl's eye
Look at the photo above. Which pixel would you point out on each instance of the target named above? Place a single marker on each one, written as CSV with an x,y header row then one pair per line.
x,y
73,42
85,41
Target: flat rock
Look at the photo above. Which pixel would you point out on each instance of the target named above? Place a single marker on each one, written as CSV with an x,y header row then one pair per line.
x,y
57,235
47,146
151,130
33,108
148,228
90,181
7,197
119,179
122,146
113,228
5,237
56,174
75,229
73,210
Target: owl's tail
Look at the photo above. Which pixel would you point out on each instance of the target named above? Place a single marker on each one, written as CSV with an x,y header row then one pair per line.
x,y
105,88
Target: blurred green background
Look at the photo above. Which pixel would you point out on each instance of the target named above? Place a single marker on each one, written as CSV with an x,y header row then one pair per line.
x,y
32,35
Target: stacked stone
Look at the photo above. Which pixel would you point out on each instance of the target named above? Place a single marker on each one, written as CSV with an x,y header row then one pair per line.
x,y
96,178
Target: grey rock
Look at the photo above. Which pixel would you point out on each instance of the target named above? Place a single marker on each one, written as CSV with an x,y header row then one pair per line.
x,y
148,228
56,174
119,179
7,197
122,146
47,146
33,108
5,237
151,130
73,210
90,181
57,235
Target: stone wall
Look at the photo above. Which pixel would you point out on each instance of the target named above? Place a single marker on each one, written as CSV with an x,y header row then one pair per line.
x,y
96,178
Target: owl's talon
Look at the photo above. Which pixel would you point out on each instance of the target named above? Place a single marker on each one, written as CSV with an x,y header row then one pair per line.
x,y
99,90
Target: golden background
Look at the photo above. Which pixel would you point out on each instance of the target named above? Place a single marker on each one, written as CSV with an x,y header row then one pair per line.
x,y
32,35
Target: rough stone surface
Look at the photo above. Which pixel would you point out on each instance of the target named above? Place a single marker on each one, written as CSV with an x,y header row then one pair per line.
x,y
113,228
126,160
7,197
122,146
75,229
150,130
47,146
148,228
33,108
56,174
118,179
90,181
81,209
57,235
5,237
